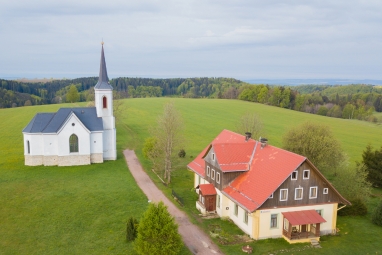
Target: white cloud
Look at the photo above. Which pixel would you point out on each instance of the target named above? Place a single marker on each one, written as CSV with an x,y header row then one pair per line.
x,y
192,38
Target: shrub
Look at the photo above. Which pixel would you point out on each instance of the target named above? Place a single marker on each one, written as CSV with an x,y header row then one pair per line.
x,y
131,229
358,207
376,217
182,153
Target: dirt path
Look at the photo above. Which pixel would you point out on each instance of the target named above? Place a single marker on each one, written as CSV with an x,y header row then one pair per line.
x,y
194,238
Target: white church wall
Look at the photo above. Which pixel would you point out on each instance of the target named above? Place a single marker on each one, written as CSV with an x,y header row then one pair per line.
x,y
109,141
74,126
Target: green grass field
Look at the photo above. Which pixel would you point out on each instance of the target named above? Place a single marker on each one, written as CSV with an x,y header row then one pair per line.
x,y
83,210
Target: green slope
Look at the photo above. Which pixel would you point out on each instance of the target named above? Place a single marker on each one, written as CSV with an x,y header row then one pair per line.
x,y
83,210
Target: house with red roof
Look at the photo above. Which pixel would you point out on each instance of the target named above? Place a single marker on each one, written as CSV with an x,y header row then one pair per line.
x,y
266,191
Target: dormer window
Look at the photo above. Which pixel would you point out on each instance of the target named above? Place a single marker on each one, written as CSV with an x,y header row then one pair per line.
x,y
104,102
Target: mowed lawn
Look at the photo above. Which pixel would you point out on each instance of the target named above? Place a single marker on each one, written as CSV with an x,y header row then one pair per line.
x,y
83,209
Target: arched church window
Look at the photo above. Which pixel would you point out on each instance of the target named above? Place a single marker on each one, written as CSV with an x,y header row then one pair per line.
x,y
104,102
73,143
28,147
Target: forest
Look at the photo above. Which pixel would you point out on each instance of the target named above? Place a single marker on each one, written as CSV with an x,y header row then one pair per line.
x,y
354,101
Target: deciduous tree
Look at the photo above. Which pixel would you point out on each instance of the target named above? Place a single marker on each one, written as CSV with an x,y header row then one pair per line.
x,y
250,122
158,232
72,96
317,143
168,133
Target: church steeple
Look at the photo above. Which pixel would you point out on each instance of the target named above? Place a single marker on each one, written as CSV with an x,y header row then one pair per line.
x,y
103,80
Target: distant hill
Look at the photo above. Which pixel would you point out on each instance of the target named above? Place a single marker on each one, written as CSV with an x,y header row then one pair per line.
x,y
296,82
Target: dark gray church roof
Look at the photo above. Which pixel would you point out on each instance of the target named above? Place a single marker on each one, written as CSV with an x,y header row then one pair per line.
x,y
52,122
103,80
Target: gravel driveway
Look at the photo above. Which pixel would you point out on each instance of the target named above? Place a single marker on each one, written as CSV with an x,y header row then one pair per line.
x,y
193,237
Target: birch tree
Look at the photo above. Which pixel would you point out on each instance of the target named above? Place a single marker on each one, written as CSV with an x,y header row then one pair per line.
x,y
168,133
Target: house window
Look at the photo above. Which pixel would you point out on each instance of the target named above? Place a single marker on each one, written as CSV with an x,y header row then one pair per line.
x,y
208,171
326,191
213,174
202,200
73,143
313,192
283,194
28,147
218,177
271,196
294,176
319,212
236,209
306,174
298,194
104,102
218,200
286,224
213,156
245,217
273,220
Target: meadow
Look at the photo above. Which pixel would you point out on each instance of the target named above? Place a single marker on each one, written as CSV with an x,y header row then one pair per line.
x,y
84,209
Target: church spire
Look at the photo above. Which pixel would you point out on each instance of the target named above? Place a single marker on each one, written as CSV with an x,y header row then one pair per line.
x,y
103,80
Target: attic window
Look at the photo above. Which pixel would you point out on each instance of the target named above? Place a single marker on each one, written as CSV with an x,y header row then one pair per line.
x,y
306,174
218,177
213,156
213,174
73,124
326,191
208,171
271,196
293,176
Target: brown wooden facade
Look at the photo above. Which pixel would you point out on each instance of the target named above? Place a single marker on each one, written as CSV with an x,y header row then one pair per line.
x,y
315,180
208,202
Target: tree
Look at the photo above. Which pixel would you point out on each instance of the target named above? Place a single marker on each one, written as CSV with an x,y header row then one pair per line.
x,y
131,229
317,143
72,96
158,232
250,122
28,103
352,182
376,217
373,163
168,133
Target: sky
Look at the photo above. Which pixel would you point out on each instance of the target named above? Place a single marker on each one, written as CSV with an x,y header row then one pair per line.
x,y
242,39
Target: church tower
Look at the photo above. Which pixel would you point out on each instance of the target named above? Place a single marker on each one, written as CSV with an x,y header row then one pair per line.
x,y
104,105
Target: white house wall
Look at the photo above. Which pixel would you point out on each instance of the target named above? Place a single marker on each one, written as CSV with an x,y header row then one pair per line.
x,y
96,142
265,230
239,218
50,144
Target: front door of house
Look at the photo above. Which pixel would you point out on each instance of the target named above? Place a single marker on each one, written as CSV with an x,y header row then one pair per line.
x,y
210,203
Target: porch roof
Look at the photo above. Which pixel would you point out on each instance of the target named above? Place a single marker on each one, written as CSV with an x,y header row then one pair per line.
x,y
303,217
207,189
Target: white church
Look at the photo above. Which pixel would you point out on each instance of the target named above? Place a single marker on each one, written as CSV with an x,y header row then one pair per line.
x,y
74,136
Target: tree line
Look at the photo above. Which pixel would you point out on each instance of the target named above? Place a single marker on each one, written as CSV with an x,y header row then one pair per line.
x,y
355,101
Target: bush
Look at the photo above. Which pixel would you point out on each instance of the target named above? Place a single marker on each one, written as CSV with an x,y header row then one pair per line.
x,y
131,229
358,208
182,153
376,218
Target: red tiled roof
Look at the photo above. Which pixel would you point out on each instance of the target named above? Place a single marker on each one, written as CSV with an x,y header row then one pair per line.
x,y
270,167
207,189
234,156
303,217
197,165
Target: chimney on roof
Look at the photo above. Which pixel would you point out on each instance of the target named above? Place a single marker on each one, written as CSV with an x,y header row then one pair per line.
x,y
247,136
264,142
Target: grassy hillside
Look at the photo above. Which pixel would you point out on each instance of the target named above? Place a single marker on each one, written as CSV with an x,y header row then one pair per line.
x,y
83,210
